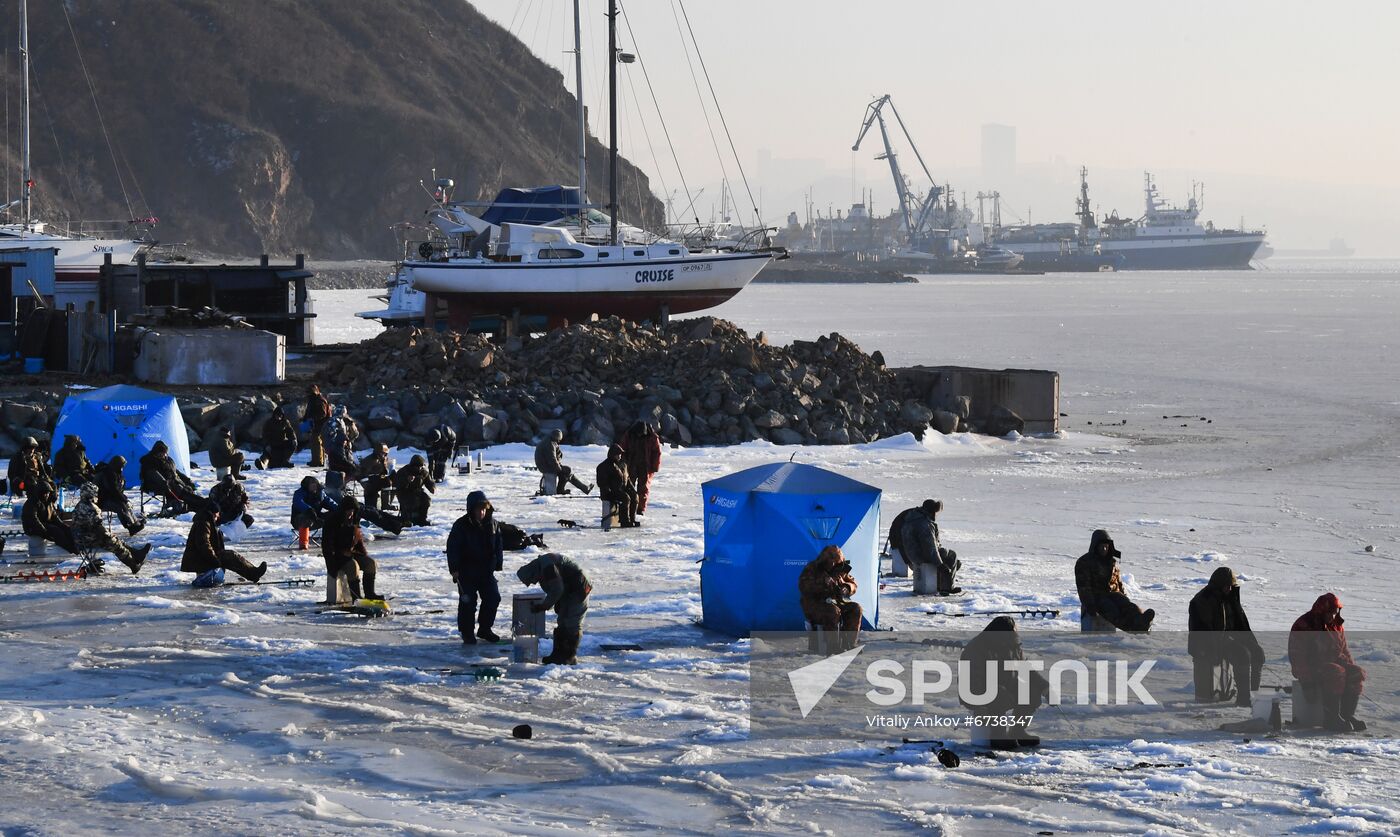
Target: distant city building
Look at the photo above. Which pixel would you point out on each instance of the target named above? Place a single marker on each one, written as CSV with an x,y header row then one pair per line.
x,y
998,153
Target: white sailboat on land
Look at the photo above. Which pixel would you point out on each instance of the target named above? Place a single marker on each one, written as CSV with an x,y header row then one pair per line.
x,y
505,266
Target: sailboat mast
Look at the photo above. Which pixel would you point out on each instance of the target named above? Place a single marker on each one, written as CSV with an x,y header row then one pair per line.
x,y
27,183
582,126
612,120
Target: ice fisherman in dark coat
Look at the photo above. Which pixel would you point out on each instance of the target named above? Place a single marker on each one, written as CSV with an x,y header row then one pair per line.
x,y
205,550
613,486
110,478
70,463
1220,632
475,553
279,439
921,544
343,547
999,643
1100,587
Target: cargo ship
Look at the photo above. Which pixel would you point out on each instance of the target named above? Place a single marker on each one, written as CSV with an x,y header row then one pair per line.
x,y
1164,238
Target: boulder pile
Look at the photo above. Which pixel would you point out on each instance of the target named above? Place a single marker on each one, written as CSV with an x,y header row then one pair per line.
x,y
702,381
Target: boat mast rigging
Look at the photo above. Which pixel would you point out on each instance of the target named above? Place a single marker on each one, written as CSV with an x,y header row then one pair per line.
x,y
612,121
582,126
26,174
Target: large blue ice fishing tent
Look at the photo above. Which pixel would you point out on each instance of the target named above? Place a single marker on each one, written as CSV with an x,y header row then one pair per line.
x,y
764,524
124,420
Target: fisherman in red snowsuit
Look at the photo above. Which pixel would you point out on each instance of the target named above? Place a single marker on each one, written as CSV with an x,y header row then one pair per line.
x,y
1317,650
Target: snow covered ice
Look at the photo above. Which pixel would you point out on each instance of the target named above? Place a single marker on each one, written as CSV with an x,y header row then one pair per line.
x,y
142,705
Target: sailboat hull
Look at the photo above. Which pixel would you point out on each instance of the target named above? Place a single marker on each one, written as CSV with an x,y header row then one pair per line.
x,y
633,290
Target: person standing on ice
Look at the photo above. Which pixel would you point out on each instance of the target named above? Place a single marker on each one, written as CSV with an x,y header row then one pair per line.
x,y
549,459
343,547
999,644
566,589
475,553
642,453
205,551
318,412
614,486
1220,633
826,587
1100,587
91,535
921,546
1322,663
441,446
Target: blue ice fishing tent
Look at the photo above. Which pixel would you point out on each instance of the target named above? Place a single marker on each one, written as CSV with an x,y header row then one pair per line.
x,y
763,525
124,420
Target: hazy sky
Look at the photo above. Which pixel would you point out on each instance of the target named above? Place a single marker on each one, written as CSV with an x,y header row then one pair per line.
x,y
1286,110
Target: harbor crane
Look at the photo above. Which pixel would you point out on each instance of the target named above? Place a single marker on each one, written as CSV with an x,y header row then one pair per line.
x,y
914,210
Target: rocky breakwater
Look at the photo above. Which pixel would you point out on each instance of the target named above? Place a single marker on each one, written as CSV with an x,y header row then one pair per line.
x,y
701,382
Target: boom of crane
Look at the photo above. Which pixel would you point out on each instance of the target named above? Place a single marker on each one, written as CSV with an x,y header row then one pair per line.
x,y
914,211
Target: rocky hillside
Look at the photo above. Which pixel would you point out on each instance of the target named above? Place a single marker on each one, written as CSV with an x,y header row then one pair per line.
x,y
287,125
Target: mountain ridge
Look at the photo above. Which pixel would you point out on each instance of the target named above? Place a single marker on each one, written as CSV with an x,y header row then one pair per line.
x,y
286,126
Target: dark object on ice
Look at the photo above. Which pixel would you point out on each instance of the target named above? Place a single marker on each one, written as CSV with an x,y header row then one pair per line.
x,y
1100,587
514,539
523,732
621,646
1001,421
948,758
1040,613
567,524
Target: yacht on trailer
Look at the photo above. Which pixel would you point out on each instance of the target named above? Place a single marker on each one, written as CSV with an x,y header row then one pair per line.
x,y
546,254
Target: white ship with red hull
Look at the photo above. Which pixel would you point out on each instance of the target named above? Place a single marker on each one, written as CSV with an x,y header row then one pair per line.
x,y
545,272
